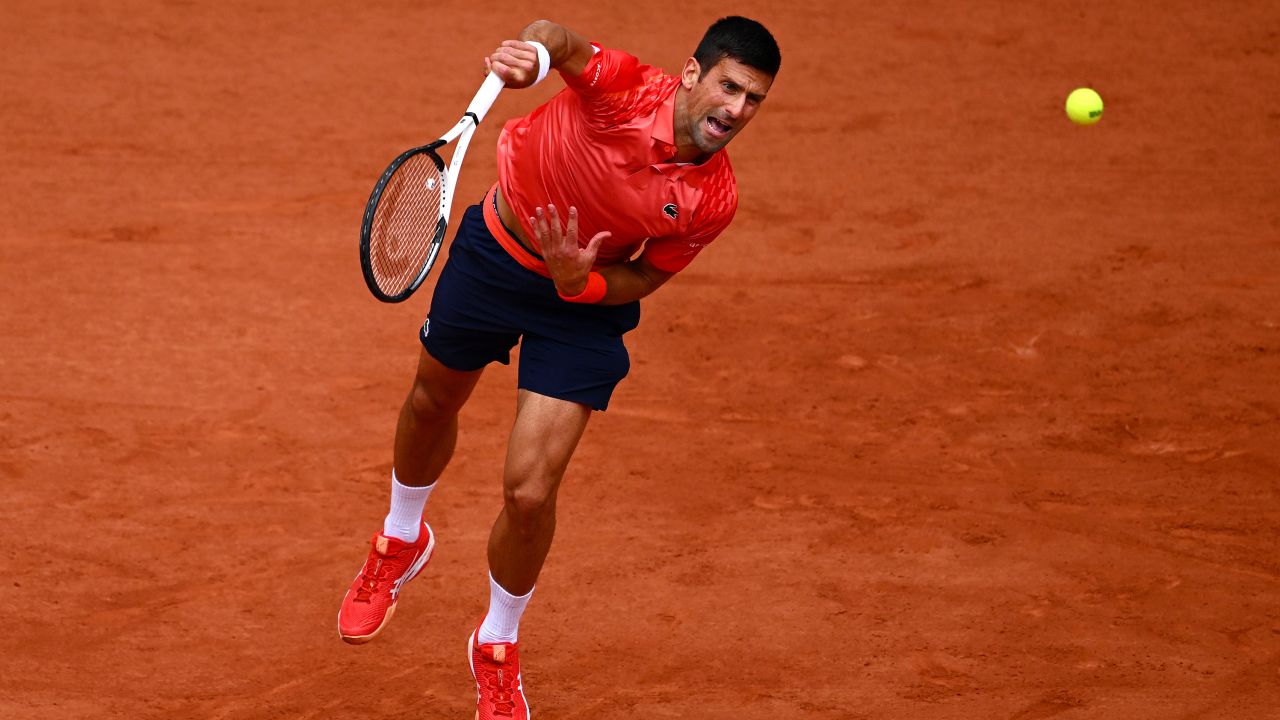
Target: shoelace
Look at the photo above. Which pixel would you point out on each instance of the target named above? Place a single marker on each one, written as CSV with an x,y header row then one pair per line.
x,y
370,584
503,703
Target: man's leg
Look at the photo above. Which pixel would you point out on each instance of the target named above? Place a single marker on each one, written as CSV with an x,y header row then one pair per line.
x,y
426,434
427,429
545,434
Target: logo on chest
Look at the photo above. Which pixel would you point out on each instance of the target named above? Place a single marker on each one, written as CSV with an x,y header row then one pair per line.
x,y
671,211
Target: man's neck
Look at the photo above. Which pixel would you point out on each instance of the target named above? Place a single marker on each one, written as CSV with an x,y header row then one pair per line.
x,y
686,150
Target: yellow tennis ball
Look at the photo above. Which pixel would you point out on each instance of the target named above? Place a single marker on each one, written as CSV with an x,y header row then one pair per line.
x,y
1084,106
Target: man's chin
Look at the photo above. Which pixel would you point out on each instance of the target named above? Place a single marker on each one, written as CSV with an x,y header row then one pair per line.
x,y
708,146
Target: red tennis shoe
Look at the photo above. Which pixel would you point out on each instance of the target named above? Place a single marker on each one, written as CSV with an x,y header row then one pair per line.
x,y
371,600
499,689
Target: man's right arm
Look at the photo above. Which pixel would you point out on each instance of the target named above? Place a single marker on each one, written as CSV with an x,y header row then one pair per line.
x,y
569,51
516,61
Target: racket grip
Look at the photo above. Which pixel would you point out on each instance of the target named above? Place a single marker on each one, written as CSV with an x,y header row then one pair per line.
x,y
485,98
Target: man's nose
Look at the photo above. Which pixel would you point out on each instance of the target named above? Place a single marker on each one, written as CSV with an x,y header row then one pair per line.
x,y
735,107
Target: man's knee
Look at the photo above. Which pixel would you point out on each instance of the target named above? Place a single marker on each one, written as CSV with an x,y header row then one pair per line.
x,y
530,497
430,400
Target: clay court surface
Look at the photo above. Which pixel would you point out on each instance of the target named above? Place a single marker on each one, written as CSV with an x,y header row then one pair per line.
x,y
972,413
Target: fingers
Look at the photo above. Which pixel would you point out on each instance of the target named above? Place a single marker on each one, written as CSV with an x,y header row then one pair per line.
x,y
543,230
549,222
501,69
518,56
515,62
546,227
572,232
556,236
593,247
571,235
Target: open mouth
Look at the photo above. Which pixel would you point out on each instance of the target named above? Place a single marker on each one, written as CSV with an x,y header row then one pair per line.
x,y
717,128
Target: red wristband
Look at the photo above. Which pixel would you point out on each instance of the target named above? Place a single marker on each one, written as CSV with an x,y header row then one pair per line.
x,y
592,294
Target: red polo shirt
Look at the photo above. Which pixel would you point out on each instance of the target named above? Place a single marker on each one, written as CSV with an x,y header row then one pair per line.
x,y
602,145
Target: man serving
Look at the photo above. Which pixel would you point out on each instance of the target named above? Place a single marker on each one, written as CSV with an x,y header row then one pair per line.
x,y
604,193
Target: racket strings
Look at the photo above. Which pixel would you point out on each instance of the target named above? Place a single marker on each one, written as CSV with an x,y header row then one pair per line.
x,y
404,223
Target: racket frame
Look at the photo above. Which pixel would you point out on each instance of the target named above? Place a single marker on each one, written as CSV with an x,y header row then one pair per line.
x,y
461,132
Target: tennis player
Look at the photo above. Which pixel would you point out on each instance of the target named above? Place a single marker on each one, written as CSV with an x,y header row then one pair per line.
x,y
603,194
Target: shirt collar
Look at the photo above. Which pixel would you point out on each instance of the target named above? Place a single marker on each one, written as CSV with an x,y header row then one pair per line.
x,y
664,121
664,145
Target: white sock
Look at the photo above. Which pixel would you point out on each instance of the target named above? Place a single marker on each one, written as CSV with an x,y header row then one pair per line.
x,y
405,519
502,624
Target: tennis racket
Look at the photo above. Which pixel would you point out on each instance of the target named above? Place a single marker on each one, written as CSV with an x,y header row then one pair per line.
x,y
408,212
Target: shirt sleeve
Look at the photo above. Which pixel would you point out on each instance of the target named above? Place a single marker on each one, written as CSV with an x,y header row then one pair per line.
x,y
608,71
615,87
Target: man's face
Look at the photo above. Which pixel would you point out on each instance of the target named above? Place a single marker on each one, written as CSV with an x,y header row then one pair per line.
x,y
721,102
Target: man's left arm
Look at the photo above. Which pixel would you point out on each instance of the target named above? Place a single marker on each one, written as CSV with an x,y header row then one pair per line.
x,y
569,264
629,281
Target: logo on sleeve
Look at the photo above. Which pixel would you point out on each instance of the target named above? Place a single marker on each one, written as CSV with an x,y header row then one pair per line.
x,y
671,211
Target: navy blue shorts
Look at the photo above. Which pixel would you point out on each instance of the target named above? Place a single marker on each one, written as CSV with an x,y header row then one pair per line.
x,y
485,302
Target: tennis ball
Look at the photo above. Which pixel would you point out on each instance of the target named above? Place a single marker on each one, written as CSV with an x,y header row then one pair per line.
x,y
1084,106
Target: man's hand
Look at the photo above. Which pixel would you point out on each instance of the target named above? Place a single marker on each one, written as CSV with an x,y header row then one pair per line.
x,y
516,62
568,263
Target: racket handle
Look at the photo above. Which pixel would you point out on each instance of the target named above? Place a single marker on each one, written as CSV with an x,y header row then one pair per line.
x,y
485,98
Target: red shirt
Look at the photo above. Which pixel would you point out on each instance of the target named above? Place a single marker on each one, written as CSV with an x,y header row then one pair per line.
x,y
603,146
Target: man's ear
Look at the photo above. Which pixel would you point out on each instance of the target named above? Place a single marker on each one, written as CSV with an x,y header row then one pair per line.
x,y
689,76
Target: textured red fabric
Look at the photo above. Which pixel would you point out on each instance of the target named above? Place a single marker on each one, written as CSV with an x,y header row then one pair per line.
x,y
602,145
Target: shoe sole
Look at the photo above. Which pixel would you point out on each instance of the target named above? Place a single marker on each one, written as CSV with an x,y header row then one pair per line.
x,y
391,610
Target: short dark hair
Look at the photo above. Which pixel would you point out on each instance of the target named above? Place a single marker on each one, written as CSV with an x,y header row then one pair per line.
x,y
741,39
